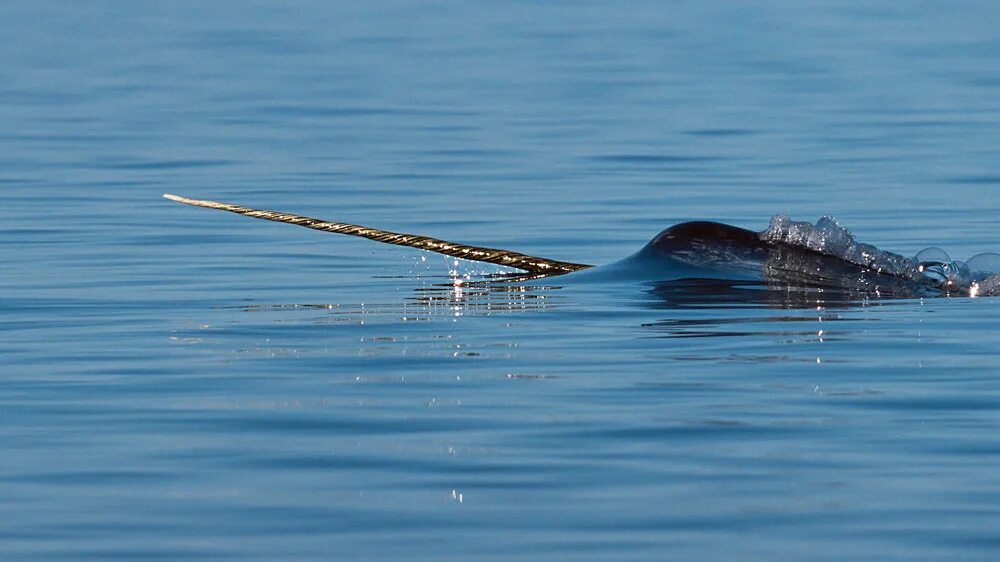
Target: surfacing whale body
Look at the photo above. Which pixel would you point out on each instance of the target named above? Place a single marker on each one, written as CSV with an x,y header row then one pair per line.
x,y
788,253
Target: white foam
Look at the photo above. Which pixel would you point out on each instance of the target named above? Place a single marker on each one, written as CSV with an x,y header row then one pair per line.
x,y
933,266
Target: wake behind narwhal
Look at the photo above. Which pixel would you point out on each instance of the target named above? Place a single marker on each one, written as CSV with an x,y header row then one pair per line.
x,y
791,253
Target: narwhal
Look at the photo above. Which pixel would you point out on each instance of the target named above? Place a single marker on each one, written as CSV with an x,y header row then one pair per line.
x,y
788,253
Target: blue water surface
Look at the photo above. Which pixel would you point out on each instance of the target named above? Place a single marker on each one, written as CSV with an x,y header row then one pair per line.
x,y
179,383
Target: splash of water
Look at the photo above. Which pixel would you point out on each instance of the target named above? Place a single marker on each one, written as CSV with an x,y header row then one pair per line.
x,y
978,276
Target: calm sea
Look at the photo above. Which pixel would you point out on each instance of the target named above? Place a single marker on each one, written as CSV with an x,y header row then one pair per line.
x,y
179,383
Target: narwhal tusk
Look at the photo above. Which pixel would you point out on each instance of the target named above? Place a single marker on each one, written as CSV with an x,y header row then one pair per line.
x,y
507,258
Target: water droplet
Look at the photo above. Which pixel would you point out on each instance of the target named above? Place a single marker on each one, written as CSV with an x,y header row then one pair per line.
x,y
933,254
985,263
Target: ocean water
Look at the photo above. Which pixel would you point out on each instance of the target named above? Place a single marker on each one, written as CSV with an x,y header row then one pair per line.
x,y
180,383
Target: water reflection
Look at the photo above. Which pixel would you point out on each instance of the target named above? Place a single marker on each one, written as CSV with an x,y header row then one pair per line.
x,y
736,303
793,313
439,297
490,295
723,294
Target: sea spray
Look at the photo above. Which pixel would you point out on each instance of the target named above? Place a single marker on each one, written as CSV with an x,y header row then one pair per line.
x,y
978,276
